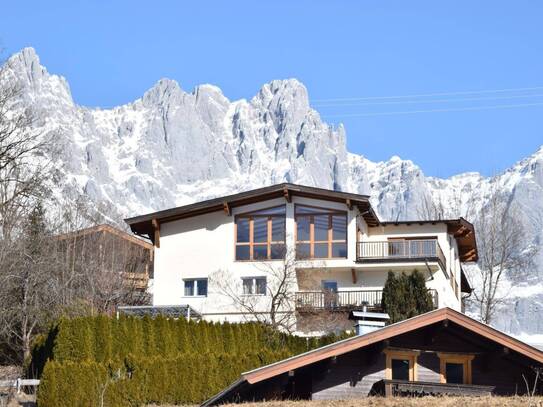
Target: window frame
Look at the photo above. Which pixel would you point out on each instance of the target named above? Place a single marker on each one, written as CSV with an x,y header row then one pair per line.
x,y
254,286
195,287
404,354
458,358
269,241
330,212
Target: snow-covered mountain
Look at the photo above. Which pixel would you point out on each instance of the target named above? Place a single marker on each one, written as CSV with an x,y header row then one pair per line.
x,y
172,147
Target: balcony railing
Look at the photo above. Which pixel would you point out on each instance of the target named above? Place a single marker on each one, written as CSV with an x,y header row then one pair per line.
x,y
393,250
343,300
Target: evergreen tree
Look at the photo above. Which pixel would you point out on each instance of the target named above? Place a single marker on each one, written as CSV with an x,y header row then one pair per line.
x,y
405,296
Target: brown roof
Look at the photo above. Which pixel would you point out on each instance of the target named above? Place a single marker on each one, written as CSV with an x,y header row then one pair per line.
x,y
350,344
107,229
462,230
143,225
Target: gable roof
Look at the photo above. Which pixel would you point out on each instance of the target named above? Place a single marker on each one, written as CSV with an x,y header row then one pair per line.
x,y
420,321
357,342
143,225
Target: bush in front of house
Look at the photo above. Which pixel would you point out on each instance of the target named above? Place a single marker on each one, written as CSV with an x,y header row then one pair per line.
x,y
137,361
405,296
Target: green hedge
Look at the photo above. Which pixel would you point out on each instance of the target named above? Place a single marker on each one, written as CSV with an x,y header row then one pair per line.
x,y
187,378
135,361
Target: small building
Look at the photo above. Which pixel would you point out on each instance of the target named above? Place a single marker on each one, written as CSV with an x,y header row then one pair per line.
x,y
120,257
440,352
342,254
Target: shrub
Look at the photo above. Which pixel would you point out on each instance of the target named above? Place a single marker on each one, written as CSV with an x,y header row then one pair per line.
x,y
405,296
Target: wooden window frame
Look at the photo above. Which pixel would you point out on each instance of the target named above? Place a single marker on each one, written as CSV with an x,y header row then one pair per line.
x,y
330,212
404,354
250,216
463,359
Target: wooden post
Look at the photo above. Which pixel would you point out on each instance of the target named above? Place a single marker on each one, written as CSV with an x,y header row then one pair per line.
x,y
156,227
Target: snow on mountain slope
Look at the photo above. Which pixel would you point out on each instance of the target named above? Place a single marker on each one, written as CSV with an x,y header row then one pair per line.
x,y
172,147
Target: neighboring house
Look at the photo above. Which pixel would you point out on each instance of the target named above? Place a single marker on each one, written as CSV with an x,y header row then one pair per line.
x,y
339,249
440,352
109,251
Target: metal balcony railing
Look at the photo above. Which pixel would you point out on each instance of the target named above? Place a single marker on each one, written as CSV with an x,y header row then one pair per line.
x,y
343,300
397,250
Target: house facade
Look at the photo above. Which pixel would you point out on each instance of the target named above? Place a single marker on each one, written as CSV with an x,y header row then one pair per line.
x,y
226,257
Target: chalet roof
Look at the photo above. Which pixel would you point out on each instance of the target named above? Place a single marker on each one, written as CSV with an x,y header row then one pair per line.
x,y
143,225
105,228
462,230
357,342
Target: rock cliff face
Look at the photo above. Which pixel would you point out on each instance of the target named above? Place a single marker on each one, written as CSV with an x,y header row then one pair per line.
x,y
173,147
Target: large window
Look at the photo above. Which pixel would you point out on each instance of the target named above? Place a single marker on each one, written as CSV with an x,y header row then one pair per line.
x,y
254,285
195,287
320,233
260,235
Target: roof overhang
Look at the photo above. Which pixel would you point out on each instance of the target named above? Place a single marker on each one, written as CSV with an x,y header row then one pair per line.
x,y
389,331
145,224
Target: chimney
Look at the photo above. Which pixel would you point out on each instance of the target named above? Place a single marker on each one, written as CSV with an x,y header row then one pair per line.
x,y
367,322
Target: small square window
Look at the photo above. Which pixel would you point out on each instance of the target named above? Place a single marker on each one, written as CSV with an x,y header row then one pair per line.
x,y
195,287
254,285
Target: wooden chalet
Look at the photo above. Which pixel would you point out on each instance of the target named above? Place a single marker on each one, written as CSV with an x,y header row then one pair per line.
x,y
440,352
111,249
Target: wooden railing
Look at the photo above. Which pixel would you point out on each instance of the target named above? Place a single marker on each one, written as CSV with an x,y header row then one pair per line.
x,y
400,249
342,300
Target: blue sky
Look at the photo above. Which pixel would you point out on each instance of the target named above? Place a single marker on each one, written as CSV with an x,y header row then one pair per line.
x,y
112,51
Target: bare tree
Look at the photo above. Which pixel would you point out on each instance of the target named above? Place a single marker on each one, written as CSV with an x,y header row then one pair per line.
x,y
275,308
504,253
27,294
23,166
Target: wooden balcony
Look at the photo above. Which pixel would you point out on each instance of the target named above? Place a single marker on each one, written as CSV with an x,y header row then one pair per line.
x,y
398,251
343,300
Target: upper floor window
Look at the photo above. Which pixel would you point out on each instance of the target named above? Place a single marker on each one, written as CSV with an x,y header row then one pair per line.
x,y
195,287
260,235
321,233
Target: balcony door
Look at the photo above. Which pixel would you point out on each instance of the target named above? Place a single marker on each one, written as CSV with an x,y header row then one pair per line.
x,y
329,289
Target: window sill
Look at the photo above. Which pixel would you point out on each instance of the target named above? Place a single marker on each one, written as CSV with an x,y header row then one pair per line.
x,y
253,295
194,296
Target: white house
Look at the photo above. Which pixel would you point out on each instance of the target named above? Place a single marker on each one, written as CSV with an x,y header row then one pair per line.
x,y
224,257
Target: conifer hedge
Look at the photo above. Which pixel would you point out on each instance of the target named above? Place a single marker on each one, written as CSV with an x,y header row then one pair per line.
x,y
136,361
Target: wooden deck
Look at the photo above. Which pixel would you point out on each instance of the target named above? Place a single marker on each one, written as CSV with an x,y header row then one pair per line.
x,y
408,388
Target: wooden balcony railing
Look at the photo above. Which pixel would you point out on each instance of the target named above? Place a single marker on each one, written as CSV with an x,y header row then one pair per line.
x,y
400,249
343,300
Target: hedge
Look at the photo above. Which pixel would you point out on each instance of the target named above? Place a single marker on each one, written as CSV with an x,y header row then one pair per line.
x,y
136,361
187,378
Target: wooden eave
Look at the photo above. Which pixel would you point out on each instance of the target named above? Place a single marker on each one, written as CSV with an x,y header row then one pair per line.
x,y
421,321
106,229
142,225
